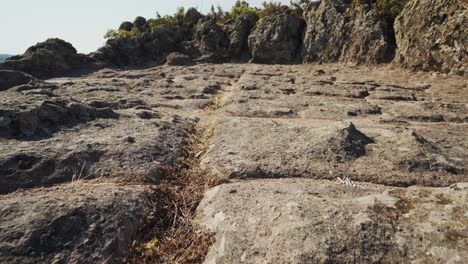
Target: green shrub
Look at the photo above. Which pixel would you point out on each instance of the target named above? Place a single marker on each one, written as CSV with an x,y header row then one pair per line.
x,y
116,34
389,9
270,8
163,21
241,8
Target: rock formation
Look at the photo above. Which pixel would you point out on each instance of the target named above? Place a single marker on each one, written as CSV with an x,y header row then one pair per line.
x,y
277,39
238,31
345,31
432,36
10,79
47,58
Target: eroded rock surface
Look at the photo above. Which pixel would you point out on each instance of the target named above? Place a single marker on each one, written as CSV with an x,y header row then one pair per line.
x,y
305,221
277,39
347,31
87,137
10,79
51,57
431,36
77,223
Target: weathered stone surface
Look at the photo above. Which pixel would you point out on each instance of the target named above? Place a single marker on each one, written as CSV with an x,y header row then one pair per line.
x,y
277,39
75,223
341,30
146,48
263,121
306,221
43,114
178,59
432,36
51,57
211,39
48,138
10,79
238,31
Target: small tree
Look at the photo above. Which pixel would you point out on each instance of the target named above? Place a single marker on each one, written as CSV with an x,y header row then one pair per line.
x,y
241,8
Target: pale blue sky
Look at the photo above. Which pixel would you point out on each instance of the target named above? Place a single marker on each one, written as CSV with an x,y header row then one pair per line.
x,y
83,23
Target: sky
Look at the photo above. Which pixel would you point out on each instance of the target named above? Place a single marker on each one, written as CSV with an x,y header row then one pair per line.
x,y
83,23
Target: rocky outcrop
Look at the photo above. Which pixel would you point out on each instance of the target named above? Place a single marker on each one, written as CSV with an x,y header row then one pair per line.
x,y
277,39
191,17
10,79
345,31
432,36
238,31
51,57
211,40
151,46
77,223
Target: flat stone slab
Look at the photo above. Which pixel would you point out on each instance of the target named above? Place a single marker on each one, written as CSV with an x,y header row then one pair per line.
x,y
365,151
74,223
309,221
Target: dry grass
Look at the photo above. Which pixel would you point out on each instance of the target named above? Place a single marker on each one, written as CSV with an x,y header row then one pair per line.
x,y
215,103
170,234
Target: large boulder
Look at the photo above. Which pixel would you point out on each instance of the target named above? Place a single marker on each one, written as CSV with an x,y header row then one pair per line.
x,y
126,25
10,79
432,35
211,40
51,57
238,31
277,39
348,31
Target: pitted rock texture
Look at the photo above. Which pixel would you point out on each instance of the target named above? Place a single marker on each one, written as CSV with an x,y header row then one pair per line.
x,y
313,122
76,223
277,39
238,31
342,30
305,221
432,36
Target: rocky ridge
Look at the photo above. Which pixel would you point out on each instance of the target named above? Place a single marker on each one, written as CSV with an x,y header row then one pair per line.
x,y
325,162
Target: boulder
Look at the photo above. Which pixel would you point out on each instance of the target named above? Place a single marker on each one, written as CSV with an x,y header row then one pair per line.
x,y
178,59
141,24
277,39
211,40
74,223
127,26
342,31
432,36
51,57
10,79
191,17
238,31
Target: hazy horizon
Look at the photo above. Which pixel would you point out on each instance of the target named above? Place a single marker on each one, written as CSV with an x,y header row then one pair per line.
x,y
82,23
